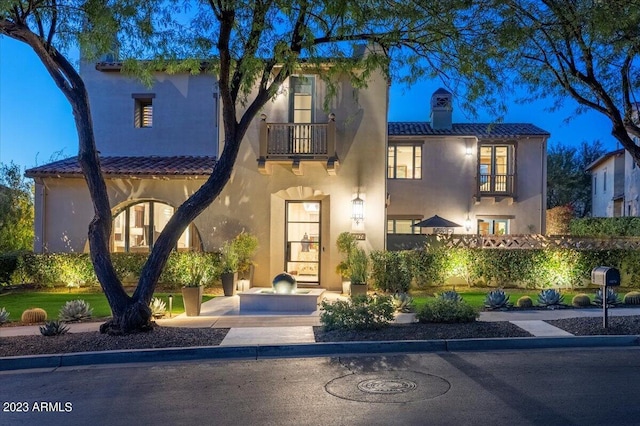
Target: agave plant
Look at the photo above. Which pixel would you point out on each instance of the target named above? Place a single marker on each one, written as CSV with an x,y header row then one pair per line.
x,y
53,328
403,302
4,316
158,307
497,299
450,295
550,298
612,297
75,310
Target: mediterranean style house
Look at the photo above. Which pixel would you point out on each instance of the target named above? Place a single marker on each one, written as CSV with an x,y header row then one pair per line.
x,y
488,178
304,173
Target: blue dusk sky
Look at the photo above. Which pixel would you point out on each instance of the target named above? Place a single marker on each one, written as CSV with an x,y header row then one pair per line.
x,y
36,122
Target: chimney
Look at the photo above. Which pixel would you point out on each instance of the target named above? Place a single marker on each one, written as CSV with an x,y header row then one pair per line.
x,y
441,109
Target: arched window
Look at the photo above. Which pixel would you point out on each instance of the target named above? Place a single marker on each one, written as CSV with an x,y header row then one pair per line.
x,y
137,227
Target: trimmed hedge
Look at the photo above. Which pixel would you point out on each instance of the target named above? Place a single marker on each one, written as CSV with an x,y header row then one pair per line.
x,y
73,269
525,268
606,227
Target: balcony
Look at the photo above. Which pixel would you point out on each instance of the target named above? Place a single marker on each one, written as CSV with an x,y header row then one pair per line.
x,y
296,143
492,185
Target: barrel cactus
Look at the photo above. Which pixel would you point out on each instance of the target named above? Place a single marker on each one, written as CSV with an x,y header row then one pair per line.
x,y
612,297
33,315
632,298
497,299
53,328
75,310
550,298
524,302
4,316
581,300
450,295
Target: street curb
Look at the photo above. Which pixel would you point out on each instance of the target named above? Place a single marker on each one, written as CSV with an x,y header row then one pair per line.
x,y
255,352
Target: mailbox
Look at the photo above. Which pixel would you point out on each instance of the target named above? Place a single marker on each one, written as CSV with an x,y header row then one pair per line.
x,y
605,276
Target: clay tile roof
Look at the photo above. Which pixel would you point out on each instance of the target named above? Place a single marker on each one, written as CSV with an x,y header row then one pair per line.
x,y
481,130
131,166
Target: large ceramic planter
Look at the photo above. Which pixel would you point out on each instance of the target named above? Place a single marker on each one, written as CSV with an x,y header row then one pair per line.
x,y
357,289
229,280
192,299
346,288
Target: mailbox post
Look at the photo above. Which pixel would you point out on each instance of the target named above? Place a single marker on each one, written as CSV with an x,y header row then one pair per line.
x,y
605,277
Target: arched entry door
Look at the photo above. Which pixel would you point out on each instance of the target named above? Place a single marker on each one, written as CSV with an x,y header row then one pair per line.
x,y
303,245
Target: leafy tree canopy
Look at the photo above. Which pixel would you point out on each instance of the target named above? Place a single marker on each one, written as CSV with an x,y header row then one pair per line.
x,y
16,210
583,49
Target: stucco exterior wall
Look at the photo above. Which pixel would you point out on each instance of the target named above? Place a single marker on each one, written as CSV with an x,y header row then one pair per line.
x,y
251,201
448,185
185,114
256,202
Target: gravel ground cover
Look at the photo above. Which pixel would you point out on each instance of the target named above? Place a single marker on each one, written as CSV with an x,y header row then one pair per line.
x,y
167,337
626,325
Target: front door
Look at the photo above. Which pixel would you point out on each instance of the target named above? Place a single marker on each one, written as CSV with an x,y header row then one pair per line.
x,y
303,246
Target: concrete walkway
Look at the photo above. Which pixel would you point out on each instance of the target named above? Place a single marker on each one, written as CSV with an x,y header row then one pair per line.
x,y
224,312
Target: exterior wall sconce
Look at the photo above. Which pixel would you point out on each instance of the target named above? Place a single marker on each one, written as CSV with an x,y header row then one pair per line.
x,y
467,223
357,209
468,150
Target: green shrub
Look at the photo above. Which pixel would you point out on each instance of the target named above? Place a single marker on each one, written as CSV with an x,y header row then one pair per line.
x,y
391,271
605,227
359,267
8,264
447,311
361,312
524,302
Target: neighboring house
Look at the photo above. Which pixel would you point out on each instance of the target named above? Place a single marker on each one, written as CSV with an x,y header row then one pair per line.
x,y
303,174
489,178
608,183
300,171
631,201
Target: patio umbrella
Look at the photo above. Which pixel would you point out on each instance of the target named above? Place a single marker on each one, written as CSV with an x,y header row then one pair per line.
x,y
437,222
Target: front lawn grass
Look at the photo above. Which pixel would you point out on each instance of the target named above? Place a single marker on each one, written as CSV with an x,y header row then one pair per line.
x,y
17,302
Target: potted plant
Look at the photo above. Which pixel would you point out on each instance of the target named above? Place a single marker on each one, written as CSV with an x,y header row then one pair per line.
x,y
245,246
193,289
359,265
229,264
346,244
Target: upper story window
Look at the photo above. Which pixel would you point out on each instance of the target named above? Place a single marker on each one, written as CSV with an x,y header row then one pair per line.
x,y
496,168
404,161
402,226
301,98
143,110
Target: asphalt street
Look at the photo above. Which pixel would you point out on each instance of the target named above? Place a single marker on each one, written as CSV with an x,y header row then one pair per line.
x,y
538,387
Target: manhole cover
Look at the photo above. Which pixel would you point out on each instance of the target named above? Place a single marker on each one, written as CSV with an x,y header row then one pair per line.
x,y
388,386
